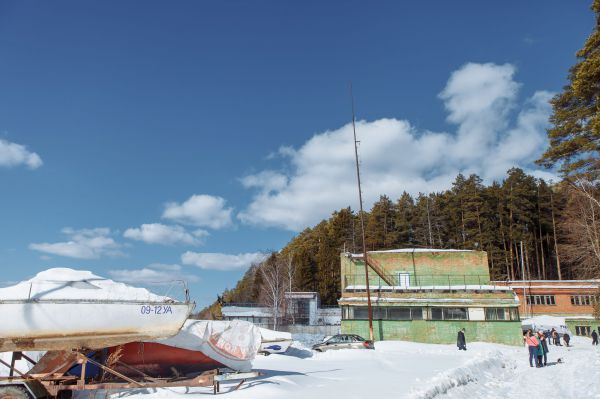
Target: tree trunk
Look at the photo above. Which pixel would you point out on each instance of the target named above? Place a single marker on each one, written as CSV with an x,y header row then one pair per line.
x,y
537,257
555,240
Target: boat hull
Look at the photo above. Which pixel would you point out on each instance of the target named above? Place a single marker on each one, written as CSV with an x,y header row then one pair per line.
x,y
66,324
158,360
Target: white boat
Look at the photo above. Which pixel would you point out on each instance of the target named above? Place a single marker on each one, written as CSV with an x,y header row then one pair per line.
x,y
61,309
274,341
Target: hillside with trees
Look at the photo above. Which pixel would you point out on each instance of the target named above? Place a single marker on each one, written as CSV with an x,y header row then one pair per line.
x,y
558,224
494,218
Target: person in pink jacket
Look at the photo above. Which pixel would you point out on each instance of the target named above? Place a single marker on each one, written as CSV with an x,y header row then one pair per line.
x,y
532,344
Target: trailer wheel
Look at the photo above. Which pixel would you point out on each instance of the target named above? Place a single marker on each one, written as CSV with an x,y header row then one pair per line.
x,y
13,392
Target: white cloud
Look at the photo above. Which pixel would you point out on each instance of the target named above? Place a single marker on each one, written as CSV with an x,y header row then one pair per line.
x,y
154,273
157,233
12,154
200,210
82,244
223,262
395,156
267,180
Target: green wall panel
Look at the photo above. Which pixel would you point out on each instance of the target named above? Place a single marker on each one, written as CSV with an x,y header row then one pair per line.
x,y
437,332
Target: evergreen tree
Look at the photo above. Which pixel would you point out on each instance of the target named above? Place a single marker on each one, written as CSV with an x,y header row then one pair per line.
x,y
521,191
404,221
575,132
380,229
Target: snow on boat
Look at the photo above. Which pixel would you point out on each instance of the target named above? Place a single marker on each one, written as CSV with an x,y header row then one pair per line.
x,y
62,309
274,341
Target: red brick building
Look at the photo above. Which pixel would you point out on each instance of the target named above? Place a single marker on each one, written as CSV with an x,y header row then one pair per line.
x,y
571,299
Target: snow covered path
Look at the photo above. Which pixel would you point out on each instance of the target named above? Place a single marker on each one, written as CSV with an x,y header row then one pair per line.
x,y
577,376
415,371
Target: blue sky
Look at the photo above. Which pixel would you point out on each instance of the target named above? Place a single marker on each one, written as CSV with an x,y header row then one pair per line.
x,y
156,140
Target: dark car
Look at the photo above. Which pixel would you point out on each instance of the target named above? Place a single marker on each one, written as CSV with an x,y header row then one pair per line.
x,y
344,341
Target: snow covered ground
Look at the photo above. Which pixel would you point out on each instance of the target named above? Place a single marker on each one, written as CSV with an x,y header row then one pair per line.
x,y
415,371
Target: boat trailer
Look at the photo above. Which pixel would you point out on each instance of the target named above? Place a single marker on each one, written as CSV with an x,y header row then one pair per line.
x,y
49,377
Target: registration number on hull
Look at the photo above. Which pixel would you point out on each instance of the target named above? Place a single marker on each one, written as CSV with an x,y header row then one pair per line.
x,y
156,309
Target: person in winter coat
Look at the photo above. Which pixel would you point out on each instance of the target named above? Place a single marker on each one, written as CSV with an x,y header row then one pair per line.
x,y
544,344
548,337
567,338
532,344
540,354
461,342
556,337
594,338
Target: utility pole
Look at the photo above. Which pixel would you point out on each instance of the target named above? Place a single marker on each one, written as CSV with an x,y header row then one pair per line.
x,y
362,221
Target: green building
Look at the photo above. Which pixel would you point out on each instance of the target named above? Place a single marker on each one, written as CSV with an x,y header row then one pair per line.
x,y
427,295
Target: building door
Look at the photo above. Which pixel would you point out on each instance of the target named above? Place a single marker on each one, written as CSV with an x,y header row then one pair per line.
x,y
403,279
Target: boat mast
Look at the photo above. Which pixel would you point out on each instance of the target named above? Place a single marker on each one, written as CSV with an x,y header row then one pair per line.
x,y
362,221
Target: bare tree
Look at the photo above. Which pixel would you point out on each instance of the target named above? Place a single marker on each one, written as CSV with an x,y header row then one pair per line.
x,y
290,274
274,285
581,228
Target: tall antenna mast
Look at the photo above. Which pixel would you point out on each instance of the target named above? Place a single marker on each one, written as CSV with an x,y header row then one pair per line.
x,y
362,221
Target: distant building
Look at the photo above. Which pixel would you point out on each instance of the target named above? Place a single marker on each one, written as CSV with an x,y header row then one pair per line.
x,y
304,308
259,315
301,308
427,295
572,299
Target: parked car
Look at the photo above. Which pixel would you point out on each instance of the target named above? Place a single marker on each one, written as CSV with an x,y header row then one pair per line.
x,y
343,341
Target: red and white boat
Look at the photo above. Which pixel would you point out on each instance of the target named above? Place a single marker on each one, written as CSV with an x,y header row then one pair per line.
x,y
200,345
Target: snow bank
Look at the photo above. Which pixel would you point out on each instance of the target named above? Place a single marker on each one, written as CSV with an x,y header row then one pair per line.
x,y
397,370
233,343
272,335
472,372
69,284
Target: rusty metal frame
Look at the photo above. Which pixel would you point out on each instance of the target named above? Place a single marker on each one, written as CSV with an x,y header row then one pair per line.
x,y
53,382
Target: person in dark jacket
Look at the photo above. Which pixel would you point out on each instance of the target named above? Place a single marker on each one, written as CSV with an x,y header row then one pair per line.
x,y
594,338
544,344
461,342
556,337
567,338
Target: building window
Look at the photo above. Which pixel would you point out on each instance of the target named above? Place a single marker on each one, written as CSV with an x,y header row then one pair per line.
x,y
456,314
416,313
402,313
495,314
382,313
449,314
502,314
436,314
582,330
399,314
361,313
540,300
379,313
583,300
514,314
